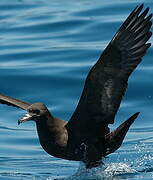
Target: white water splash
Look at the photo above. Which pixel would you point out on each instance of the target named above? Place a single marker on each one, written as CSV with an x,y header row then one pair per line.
x,y
107,171
115,169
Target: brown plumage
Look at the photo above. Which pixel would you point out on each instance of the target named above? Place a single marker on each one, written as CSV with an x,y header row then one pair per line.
x,y
86,136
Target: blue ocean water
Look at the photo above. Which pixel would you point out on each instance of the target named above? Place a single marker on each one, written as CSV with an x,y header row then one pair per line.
x,y
46,50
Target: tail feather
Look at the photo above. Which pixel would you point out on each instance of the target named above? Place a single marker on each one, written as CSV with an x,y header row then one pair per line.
x,y
114,139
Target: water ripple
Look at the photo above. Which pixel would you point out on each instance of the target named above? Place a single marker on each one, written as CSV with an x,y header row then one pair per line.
x,y
46,50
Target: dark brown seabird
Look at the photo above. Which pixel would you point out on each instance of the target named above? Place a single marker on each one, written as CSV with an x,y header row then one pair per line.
x,y
86,136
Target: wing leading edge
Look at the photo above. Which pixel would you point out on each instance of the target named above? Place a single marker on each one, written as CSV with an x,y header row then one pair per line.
x,y
13,102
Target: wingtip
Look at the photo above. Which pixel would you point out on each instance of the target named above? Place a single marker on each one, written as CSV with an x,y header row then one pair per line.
x,y
147,10
141,5
132,118
136,114
139,9
135,8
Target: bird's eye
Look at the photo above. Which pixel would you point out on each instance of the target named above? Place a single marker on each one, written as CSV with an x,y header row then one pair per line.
x,y
36,111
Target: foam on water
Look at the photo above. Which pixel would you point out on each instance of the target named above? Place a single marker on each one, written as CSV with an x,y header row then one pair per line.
x,y
106,171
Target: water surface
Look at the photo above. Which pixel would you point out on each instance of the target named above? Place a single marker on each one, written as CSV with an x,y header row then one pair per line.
x,y
46,49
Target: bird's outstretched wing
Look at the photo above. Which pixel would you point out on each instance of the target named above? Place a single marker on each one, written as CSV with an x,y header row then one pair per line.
x,y
106,82
13,102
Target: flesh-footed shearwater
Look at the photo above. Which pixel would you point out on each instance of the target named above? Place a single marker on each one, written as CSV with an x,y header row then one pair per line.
x,y
86,136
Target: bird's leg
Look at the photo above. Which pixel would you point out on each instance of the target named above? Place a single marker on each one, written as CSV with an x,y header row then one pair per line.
x,y
94,164
89,156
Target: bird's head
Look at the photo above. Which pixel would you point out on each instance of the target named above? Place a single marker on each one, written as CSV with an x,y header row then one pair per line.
x,y
34,112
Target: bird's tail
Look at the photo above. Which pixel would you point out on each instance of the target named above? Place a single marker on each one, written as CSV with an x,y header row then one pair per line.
x,y
115,138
